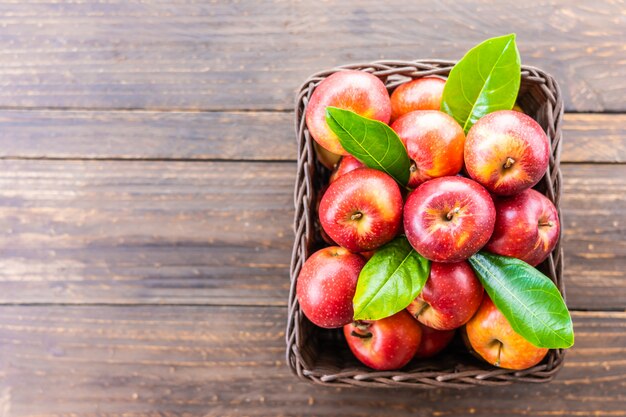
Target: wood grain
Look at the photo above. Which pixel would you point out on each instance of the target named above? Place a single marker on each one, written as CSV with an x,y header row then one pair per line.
x,y
226,135
253,55
226,361
220,232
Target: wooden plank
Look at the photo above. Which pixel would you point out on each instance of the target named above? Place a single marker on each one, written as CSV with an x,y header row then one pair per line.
x,y
226,135
233,55
147,135
226,361
220,233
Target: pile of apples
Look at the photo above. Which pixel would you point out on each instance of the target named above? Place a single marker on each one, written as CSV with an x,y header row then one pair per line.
x,y
467,193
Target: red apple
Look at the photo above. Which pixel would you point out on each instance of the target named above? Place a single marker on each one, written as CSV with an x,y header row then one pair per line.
x,y
385,344
527,227
434,141
362,210
449,219
420,94
507,152
450,298
326,286
359,91
492,338
346,164
433,341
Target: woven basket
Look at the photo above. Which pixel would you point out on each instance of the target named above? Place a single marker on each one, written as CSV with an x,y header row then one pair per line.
x,y
322,356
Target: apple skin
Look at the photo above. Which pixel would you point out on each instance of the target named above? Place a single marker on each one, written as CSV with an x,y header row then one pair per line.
x,y
326,158
362,210
507,152
493,339
346,164
434,142
449,219
359,91
527,227
419,94
385,344
433,341
326,286
450,297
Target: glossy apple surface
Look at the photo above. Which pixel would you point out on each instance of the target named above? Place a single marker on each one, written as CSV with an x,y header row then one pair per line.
x,y
492,338
527,227
346,164
433,341
326,286
450,297
434,142
507,152
419,94
362,210
385,344
449,219
359,91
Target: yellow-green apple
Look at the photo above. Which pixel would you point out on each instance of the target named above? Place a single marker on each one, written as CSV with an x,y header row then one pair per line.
x,y
385,344
449,219
493,339
346,164
419,94
359,91
433,341
450,297
527,227
362,210
507,152
326,286
326,158
434,141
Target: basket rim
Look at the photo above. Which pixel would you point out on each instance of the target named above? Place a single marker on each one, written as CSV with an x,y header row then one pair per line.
x,y
304,191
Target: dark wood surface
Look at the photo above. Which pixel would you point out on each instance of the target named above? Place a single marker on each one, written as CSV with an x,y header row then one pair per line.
x,y
146,173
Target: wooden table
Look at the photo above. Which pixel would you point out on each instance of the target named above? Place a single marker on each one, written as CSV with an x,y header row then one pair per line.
x,y
146,174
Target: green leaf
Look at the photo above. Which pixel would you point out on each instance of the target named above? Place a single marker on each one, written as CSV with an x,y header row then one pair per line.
x,y
528,299
485,80
390,280
371,142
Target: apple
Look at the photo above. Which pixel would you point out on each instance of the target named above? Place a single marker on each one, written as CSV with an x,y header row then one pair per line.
x,y
420,94
434,141
362,210
450,297
326,286
359,91
346,164
493,339
433,341
527,227
385,344
507,152
326,158
449,219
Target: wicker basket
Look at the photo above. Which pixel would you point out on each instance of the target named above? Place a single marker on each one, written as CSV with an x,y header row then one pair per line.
x,y
322,356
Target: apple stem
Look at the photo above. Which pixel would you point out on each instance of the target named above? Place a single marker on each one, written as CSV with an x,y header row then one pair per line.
x,y
361,326
509,163
549,223
421,310
452,212
499,353
413,167
356,216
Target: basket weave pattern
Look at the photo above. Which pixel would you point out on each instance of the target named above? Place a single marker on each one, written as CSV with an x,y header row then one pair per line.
x,y
322,356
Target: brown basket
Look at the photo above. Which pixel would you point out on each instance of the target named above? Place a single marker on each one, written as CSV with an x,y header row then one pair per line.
x,y
322,356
